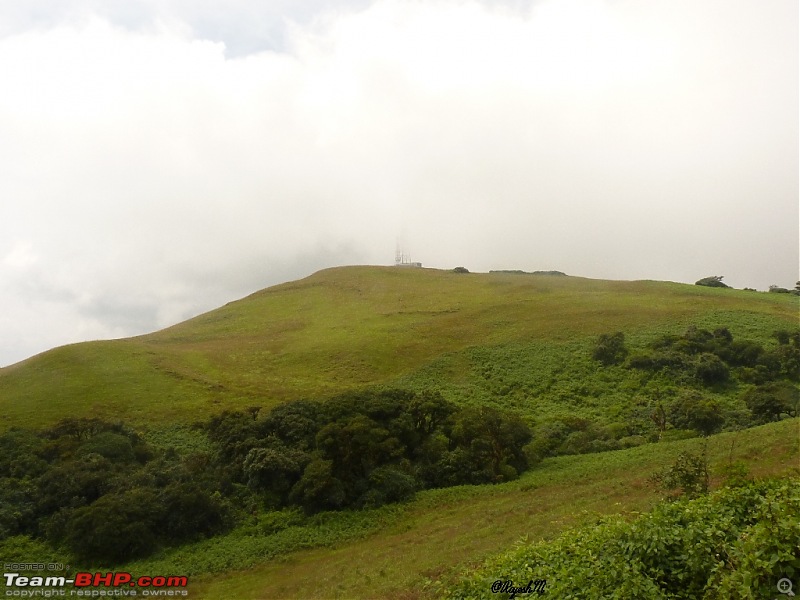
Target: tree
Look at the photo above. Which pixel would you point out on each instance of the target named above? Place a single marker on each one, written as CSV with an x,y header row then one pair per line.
x,y
114,446
388,483
710,369
695,411
296,423
116,528
275,469
429,411
713,281
75,483
189,512
493,441
318,489
769,401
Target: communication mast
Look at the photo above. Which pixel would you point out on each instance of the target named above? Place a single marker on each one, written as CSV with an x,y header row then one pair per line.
x,y
403,259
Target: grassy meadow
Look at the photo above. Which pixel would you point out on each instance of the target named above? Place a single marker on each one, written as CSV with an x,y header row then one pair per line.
x,y
356,327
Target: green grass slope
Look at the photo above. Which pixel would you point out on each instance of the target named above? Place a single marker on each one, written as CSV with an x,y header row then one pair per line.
x,y
353,327
442,535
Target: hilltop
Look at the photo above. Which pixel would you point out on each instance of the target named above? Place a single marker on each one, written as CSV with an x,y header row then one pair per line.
x,y
356,327
345,417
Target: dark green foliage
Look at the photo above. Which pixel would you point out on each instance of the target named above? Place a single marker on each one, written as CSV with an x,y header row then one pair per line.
x,y
188,512
711,359
295,423
742,353
788,357
460,270
575,435
735,543
491,442
771,401
233,433
17,506
610,348
713,281
117,527
387,484
695,411
368,448
318,489
75,483
429,411
21,454
709,369
113,446
274,469
97,489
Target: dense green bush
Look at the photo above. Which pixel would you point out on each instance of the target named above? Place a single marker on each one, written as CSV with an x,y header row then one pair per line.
x,y
689,474
610,348
734,543
366,449
713,281
99,490
770,401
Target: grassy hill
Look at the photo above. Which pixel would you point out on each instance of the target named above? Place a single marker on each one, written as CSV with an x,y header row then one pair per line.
x,y
500,337
516,341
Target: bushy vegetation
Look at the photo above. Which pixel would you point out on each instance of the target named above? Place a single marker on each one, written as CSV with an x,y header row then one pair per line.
x,y
621,391
99,490
366,449
713,281
710,358
735,543
696,383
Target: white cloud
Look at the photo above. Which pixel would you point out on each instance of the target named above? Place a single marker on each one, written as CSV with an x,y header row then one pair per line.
x,y
148,175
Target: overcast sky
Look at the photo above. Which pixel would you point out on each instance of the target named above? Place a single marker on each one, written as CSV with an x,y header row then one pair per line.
x,y
160,158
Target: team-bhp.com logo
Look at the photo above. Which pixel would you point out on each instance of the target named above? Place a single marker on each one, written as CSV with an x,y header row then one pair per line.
x,y
94,585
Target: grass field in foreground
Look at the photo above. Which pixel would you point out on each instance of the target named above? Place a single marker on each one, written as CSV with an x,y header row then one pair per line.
x,y
445,531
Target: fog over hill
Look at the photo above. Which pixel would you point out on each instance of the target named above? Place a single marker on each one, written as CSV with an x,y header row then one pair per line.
x,y
164,157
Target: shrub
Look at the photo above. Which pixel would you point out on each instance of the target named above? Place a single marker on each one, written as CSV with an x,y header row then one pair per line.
x,y
735,543
689,473
713,281
710,369
610,348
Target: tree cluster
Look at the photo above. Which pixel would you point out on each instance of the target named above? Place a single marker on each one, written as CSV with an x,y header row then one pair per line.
x,y
699,360
707,357
98,489
366,449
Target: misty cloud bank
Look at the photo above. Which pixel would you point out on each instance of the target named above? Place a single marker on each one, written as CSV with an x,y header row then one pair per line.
x,y
152,171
